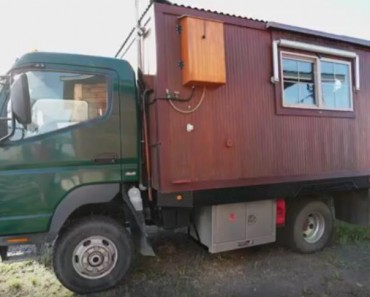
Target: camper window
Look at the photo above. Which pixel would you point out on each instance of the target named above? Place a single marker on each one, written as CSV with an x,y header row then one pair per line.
x,y
316,83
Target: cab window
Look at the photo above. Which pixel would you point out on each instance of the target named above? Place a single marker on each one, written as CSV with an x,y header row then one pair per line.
x,y
60,99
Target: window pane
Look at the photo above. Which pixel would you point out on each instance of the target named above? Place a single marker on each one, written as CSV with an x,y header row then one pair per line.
x,y
290,68
3,111
291,93
306,94
341,97
335,85
60,99
3,97
327,72
328,97
341,72
305,71
299,88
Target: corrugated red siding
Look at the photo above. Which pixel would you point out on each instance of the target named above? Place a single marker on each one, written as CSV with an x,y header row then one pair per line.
x,y
238,138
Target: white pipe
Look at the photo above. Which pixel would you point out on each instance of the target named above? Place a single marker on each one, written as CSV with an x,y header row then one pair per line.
x,y
357,73
314,49
275,54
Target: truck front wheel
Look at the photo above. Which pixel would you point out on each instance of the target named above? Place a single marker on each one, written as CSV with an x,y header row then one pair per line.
x,y
93,254
309,226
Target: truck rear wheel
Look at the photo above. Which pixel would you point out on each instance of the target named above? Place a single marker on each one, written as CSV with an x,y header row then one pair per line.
x,y
309,226
92,255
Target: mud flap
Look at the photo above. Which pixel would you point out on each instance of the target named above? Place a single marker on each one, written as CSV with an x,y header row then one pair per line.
x,y
4,253
139,233
353,207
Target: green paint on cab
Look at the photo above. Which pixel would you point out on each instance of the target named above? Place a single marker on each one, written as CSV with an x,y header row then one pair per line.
x,y
39,168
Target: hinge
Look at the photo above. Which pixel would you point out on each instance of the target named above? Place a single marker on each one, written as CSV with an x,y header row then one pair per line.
x,y
178,29
181,64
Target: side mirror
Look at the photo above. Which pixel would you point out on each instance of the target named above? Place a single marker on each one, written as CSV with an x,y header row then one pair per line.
x,y
21,101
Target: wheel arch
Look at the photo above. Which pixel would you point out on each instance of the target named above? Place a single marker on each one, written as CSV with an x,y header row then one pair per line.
x,y
78,198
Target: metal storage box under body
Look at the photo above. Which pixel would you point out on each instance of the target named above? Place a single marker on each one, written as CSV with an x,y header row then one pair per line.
x,y
233,226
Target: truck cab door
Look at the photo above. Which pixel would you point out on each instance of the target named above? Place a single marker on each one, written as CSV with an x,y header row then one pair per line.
x,y
74,139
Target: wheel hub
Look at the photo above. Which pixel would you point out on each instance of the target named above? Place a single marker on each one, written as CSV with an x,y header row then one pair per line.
x,y
313,227
94,257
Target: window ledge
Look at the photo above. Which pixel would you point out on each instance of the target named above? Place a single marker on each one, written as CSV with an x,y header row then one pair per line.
x,y
314,112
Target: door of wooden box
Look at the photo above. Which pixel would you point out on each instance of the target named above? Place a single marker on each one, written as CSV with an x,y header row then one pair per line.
x,y
203,52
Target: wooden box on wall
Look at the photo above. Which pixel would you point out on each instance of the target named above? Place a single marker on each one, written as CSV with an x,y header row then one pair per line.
x,y
203,52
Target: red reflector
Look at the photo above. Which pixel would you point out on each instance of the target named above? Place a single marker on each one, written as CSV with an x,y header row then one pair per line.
x,y
280,212
232,217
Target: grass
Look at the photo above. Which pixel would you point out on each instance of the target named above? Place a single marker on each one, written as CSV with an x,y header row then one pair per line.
x,y
347,233
34,279
337,275
29,279
14,284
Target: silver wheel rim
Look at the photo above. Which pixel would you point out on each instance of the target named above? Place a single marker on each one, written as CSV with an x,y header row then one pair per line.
x,y
94,257
313,227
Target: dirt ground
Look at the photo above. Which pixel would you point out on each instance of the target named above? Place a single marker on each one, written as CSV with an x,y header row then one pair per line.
x,y
183,268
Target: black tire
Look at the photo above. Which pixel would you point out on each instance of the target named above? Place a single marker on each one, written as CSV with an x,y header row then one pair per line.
x,y
64,257
301,232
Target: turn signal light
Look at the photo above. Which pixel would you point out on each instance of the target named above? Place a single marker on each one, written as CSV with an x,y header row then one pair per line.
x,y
18,240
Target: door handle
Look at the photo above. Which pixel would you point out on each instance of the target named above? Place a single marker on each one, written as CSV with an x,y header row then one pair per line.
x,y
106,158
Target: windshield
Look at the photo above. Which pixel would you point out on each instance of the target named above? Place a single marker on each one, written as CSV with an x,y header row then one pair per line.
x,y
3,97
4,91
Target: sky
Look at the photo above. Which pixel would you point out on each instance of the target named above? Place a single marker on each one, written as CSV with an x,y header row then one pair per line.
x,y
99,27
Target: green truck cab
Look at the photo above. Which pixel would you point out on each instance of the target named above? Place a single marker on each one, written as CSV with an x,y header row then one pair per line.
x,y
69,146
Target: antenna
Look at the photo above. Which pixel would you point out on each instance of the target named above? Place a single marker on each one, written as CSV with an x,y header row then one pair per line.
x,y
137,13
138,35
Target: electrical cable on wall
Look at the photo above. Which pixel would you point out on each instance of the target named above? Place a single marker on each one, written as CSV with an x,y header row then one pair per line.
x,y
190,110
173,97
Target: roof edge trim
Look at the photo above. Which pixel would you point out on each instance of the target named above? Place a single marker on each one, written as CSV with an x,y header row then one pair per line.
x,y
347,39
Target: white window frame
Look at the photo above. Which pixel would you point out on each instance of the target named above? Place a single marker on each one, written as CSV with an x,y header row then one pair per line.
x,y
317,49
349,81
303,58
319,104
